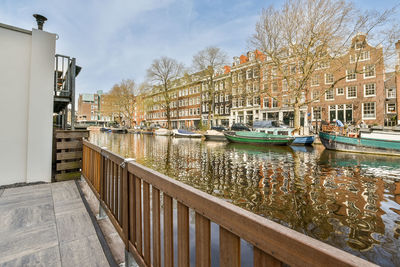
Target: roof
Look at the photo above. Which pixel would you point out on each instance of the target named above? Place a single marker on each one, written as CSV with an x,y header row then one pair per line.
x,y
12,28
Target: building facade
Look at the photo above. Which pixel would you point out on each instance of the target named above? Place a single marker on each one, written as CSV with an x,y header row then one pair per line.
x,y
353,88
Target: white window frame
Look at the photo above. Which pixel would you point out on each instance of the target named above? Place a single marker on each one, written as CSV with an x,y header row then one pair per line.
x,y
347,76
312,95
337,90
313,79
333,94
364,72
387,108
362,111
365,90
312,113
326,78
347,92
387,93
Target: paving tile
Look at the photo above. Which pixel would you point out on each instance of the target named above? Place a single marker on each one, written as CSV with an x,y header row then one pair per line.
x,y
83,252
27,190
45,257
68,206
64,192
73,225
25,215
25,241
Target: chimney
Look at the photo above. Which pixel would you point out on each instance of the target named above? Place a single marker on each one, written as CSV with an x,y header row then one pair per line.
x,y
40,20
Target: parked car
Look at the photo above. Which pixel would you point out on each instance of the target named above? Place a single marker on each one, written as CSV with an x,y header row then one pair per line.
x,y
219,128
239,127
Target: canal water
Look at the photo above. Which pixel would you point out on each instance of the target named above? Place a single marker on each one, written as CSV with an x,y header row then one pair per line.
x,y
350,201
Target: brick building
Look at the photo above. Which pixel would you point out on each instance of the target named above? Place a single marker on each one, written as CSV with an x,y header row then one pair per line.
x,y
360,96
364,92
185,99
90,109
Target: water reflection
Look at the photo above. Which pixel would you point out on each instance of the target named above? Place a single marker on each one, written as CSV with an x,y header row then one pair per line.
x,y
350,201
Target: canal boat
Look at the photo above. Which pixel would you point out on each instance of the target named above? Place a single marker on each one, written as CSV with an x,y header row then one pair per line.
x,y
258,138
274,128
184,133
119,130
335,139
163,132
213,135
303,140
105,130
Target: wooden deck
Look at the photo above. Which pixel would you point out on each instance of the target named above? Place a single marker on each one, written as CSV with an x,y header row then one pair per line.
x,y
47,225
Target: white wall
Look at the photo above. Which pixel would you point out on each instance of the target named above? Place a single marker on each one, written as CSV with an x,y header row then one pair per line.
x,y
26,105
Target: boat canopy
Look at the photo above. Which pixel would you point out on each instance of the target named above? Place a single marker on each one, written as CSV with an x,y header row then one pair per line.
x,y
181,131
265,124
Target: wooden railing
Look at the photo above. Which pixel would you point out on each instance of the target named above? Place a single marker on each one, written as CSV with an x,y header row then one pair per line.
x,y
130,194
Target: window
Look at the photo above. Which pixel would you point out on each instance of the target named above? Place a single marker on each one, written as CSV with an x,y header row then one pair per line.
x,y
316,113
285,101
329,94
275,87
315,95
216,99
274,103
369,110
364,56
234,103
249,87
226,98
216,110
226,110
221,98
256,73
328,78
293,69
351,75
266,102
340,91
391,93
284,85
369,89
256,100
221,110
323,65
249,101
351,92
234,78
255,87
391,108
249,74
369,71
273,72
314,80
359,45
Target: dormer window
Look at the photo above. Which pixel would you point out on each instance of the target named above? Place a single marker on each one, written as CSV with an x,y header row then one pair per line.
x,y
359,45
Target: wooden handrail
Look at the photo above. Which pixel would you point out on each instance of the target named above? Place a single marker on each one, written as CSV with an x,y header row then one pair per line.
x,y
273,243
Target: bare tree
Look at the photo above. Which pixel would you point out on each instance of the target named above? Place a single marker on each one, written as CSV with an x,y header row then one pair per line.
x,y
120,101
209,60
162,73
305,36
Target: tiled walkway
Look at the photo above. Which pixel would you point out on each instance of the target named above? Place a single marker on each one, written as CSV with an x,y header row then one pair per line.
x,y
47,225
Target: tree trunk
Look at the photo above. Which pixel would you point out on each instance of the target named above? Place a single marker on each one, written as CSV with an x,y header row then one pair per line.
x,y
296,118
169,117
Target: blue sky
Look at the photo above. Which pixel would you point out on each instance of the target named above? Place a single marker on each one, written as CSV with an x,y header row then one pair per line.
x,y
115,40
